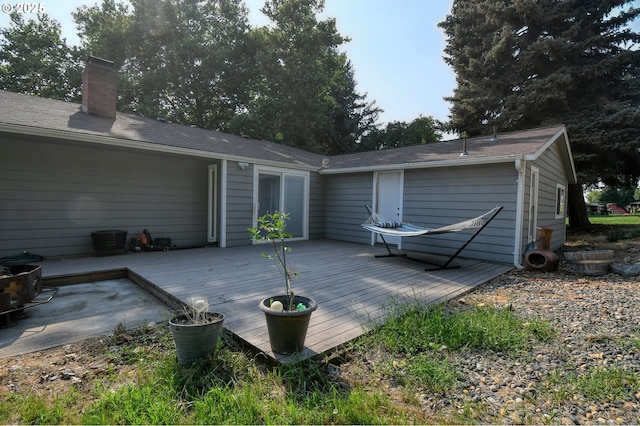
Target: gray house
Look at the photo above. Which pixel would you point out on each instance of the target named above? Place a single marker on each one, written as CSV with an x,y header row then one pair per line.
x,y
68,170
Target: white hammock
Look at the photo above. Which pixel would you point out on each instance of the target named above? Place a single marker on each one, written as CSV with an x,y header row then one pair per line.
x,y
380,225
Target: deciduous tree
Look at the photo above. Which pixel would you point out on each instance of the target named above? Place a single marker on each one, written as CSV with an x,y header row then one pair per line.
x,y
399,133
35,59
305,95
185,61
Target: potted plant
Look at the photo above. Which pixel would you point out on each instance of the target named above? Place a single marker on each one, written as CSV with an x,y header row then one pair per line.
x,y
287,314
195,331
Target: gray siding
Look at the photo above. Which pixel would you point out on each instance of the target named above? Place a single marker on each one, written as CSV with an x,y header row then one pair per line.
x,y
433,198
346,196
551,173
54,194
239,204
443,196
316,207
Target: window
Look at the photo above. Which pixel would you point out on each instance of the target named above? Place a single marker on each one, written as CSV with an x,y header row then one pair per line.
x,y
286,191
560,201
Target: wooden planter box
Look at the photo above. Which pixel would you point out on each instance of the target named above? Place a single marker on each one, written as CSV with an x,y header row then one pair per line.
x,y
592,262
21,287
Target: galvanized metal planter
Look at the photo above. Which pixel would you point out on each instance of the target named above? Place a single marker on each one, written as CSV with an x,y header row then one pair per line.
x,y
194,341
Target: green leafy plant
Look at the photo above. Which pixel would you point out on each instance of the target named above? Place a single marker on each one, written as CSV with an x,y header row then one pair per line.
x,y
271,228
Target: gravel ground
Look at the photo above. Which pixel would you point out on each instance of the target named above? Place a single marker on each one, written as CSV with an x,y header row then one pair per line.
x,y
598,324
597,320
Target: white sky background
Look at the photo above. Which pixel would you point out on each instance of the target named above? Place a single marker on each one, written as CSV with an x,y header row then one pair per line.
x,y
396,49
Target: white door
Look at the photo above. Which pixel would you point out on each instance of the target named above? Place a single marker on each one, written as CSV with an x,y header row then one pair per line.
x,y
388,200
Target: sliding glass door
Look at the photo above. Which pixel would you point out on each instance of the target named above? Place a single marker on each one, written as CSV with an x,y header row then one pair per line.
x,y
284,191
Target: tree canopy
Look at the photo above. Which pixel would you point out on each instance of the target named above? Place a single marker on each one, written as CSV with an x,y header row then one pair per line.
x,y
183,61
621,197
304,93
202,64
522,64
35,59
399,133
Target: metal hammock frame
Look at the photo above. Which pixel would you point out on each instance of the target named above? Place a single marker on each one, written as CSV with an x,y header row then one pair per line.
x,y
383,226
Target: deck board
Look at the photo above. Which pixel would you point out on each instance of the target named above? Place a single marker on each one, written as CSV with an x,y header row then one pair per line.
x,y
353,289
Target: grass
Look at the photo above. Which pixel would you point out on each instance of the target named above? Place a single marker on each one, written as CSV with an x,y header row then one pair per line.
x,y
232,387
478,327
615,219
615,227
418,350
606,384
426,336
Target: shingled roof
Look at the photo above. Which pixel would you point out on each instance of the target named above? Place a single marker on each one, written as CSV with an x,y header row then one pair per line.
x,y
506,147
37,116
64,120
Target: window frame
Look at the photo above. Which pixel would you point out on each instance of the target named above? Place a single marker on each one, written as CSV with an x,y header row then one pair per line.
x,y
282,172
561,201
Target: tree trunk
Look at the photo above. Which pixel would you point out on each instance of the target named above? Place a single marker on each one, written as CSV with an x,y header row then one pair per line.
x,y
576,207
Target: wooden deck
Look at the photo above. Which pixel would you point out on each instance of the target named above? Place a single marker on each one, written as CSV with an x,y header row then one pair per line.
x,y
351,286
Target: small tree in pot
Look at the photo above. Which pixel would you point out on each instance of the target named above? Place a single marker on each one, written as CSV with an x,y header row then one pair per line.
x,y
287,314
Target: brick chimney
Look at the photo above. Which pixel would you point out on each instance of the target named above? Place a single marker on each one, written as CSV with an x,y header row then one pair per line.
x,y
99,88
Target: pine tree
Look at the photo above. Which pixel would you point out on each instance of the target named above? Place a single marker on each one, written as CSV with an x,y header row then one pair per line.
x,y
528,63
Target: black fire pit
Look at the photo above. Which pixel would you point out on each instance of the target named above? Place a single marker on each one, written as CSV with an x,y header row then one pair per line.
x,y
109,241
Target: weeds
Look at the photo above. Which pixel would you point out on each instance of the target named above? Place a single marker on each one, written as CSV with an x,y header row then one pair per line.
x,y
616,235
419,329
425,371
607,384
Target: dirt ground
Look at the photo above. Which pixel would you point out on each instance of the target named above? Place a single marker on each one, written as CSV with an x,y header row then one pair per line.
x,y
53,372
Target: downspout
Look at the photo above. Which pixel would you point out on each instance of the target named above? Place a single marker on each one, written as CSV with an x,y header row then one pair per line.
x,y
223,203
520,165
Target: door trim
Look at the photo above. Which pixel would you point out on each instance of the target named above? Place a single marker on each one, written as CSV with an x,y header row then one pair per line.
x,y
212,203
534,189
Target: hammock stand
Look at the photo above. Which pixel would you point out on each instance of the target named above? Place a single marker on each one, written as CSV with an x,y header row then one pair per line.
x,y
379,225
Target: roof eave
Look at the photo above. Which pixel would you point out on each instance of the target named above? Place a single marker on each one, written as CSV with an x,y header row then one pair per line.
x,y
566,151
141,145
466,161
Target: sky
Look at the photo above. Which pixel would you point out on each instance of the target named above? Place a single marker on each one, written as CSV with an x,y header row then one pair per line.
x,y
396,49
